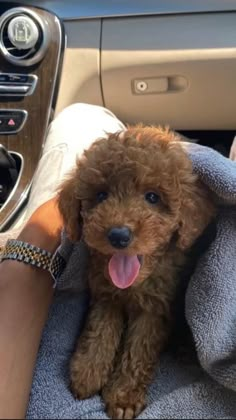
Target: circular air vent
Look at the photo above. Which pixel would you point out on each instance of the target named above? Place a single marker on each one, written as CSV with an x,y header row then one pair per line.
x,y
24,37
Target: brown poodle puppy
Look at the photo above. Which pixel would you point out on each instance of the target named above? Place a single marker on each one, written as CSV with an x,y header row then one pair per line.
x,y
140,208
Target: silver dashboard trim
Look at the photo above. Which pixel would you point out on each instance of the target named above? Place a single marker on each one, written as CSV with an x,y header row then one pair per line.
x,y
24,61
32,86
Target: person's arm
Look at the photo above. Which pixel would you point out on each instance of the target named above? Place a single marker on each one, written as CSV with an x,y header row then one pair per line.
x,y
25,297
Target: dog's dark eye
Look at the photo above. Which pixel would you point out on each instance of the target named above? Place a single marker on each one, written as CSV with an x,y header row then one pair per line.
x,y
101,196
152,197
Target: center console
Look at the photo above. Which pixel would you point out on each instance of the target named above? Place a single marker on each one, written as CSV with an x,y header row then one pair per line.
x,y
31,50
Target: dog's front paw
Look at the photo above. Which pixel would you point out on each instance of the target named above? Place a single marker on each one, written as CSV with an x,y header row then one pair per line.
x,y
123,403
117,412
86,378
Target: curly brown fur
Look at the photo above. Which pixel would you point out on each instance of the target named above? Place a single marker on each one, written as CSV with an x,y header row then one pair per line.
x,y
126,330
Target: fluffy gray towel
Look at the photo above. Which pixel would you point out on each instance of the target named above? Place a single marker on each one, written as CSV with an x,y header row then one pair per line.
x,y
203,388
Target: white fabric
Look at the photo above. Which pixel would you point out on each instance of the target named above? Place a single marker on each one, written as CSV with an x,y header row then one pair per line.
x,y
72,131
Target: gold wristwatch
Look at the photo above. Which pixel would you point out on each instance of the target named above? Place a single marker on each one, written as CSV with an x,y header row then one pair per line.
x,y
35,256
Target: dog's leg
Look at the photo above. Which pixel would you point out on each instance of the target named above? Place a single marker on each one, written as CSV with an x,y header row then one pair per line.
x,y
125,393
93,359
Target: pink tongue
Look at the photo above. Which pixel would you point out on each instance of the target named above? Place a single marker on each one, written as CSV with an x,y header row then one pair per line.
x,y
123,270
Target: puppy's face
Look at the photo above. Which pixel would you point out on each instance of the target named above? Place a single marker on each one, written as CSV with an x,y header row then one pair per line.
x,y
135,192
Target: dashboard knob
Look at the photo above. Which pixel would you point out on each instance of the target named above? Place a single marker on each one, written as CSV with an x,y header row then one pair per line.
x,y
23,32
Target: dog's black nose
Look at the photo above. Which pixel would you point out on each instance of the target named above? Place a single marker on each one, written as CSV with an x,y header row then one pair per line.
x,y
119,237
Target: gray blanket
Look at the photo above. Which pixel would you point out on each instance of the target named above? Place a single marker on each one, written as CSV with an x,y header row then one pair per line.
x,y
203,387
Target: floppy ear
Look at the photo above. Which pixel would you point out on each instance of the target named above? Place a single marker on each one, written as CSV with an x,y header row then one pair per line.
x,y
69,207
196,211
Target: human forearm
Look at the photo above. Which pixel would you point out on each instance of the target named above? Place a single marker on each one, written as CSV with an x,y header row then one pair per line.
x,y
25,297
24,304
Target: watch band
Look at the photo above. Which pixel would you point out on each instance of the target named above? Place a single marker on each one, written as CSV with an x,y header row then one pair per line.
x,y
35,256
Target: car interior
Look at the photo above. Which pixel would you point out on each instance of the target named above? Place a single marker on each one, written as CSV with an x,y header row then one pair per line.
x,y
154,61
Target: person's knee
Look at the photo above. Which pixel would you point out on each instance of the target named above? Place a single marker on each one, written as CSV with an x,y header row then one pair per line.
x,y
81,120
85,114
80,109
